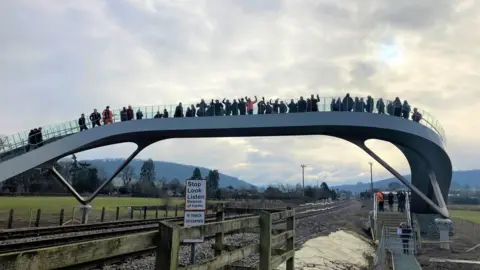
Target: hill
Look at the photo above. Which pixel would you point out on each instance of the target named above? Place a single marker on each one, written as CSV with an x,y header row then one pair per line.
x,y
459,179
166,170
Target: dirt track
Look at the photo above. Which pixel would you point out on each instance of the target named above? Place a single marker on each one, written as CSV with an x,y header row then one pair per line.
x,y
466,236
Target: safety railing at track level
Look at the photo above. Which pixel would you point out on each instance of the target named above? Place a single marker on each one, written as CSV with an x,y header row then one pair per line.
x,y
52,132
407,208
410,222
381,253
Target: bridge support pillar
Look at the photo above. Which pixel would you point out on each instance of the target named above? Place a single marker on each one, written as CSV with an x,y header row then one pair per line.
x,y
85,202
85,209
439,208
444,225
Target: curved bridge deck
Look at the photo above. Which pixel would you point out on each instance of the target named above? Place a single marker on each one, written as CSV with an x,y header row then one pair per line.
x,y
422,144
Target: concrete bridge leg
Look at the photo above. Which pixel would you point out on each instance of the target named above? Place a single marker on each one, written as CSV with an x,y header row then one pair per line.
x,y
85,209
85,202
444,225
439,208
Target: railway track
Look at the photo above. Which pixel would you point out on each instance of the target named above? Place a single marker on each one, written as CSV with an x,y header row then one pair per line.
x,y
12,234
55,236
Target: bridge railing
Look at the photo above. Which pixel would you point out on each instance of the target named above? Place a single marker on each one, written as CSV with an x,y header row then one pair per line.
x,y
375,211
381,253
407,208
50,133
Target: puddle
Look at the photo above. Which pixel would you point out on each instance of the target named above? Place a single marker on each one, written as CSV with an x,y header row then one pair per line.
x,y
339,250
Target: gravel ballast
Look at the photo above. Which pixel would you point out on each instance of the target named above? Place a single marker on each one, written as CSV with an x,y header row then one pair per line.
x,y
317,225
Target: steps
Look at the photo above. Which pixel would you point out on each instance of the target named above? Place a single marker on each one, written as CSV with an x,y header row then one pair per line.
x,y
391,219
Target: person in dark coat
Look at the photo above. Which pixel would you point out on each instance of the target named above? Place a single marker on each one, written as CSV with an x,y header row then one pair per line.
x,y
405,235
82,123
292,107
347,103
390,201
139,115
95,118
130,113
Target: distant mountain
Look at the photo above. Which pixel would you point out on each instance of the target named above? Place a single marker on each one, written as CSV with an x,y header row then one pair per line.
x,y
167,170
459,179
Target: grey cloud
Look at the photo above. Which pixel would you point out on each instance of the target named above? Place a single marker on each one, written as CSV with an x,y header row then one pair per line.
x,y
60,59
256,6
415,16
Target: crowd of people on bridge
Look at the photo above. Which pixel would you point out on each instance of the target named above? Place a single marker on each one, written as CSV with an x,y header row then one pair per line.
x,y
35,138
246,106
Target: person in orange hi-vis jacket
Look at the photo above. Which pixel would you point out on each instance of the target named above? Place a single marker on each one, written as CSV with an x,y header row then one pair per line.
x,y
380,201
107,116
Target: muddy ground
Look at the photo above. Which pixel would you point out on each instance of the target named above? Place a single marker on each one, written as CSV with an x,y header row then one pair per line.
x,y
466,235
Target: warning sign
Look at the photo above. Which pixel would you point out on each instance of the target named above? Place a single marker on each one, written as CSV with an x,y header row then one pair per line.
x,y
195,195
193,218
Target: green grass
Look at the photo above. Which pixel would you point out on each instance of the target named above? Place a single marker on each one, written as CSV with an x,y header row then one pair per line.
x,y
25,209
470,207
473,216
54,204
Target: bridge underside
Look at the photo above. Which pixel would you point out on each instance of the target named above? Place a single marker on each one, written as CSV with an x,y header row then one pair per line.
x,y
428,197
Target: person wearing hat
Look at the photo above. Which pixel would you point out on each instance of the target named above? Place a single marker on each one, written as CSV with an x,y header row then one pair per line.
x,y
404,232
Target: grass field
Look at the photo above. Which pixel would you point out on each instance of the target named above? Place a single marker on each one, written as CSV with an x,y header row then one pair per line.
x,y
473,216
465,211
469,207
25,209
54,204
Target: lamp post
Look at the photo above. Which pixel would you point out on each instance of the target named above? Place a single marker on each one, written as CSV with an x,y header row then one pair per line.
x,y
371,178
303,179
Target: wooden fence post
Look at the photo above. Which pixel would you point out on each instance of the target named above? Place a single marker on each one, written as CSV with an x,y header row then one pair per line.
x,y
176,210
219,236
37,219
117,214
102,215
10,219
166,210
144,212
156,212
168,247
62,216
291,241
265,241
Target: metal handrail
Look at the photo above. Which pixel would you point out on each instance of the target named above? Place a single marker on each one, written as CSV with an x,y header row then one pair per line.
x,y
375,210
407,208
50,132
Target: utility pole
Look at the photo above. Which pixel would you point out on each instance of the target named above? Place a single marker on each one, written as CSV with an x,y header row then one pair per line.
x,y
371,178
303,179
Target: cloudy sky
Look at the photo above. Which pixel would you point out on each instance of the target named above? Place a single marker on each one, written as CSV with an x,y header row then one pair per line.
x,y
61,58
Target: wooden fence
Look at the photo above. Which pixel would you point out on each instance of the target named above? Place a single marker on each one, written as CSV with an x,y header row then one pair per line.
x,y
275,247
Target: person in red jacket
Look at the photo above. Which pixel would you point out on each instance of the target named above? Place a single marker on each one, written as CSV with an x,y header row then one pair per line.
x,y
107,116
250,104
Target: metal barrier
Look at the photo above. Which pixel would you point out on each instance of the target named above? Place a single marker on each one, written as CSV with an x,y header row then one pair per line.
x,y
381,254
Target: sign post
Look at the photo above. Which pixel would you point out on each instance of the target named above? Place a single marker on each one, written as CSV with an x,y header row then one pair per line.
x,y
195,210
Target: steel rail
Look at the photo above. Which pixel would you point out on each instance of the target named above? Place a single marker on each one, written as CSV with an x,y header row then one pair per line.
x,y
113,232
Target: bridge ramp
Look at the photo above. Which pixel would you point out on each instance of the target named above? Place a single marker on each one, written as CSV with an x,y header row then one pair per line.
x,y
402,260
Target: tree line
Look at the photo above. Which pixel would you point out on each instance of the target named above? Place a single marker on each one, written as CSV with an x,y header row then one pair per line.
x,y
86,178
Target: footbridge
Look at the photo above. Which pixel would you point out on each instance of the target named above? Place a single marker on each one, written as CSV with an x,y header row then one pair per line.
x,y
423,144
